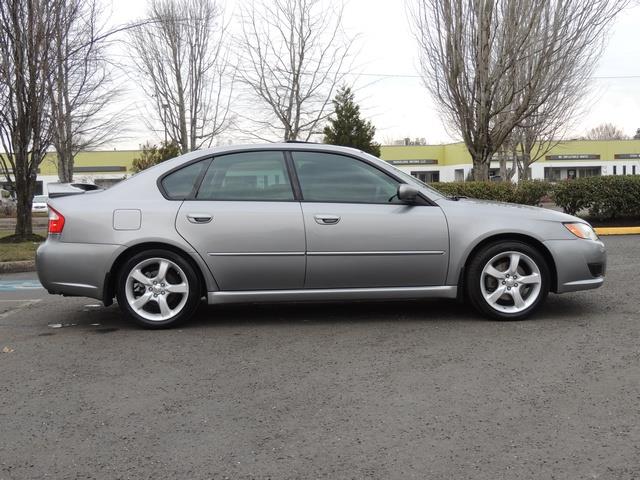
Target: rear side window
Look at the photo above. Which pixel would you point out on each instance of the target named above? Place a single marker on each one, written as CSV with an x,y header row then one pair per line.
x,y
257,176
181,183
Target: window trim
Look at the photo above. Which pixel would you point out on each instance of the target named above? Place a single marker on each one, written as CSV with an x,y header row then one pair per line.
x,y
293,176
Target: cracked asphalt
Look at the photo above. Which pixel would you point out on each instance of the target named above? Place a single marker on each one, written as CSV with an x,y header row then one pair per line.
x,y
393,390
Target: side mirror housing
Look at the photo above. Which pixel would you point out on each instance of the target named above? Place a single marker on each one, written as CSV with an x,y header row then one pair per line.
x,y
407,193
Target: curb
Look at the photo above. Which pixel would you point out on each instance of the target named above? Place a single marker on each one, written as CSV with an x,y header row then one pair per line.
x,y
617,230
18,267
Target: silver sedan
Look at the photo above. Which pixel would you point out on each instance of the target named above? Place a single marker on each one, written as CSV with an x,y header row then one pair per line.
x,y
304,222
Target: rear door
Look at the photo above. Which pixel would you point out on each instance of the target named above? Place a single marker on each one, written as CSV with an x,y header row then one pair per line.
x,y
246,224
359,234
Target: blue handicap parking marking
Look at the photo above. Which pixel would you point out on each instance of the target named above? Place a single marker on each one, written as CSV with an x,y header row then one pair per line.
x,y
16,285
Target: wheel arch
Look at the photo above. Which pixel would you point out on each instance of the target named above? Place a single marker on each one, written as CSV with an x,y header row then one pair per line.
x,y
529,240
109,290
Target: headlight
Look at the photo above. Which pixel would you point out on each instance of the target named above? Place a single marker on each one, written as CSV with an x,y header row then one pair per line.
x,y
582,230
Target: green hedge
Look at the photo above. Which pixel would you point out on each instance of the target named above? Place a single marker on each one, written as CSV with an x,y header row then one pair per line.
x,y
526,192
604,197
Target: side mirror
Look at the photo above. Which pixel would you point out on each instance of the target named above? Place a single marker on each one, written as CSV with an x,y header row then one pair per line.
x,y
407,193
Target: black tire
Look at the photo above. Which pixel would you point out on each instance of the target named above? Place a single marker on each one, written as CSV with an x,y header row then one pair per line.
x,y
474,285
193,296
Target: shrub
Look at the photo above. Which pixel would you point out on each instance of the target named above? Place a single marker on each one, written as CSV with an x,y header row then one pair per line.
x,y
604,197
526,192
152,155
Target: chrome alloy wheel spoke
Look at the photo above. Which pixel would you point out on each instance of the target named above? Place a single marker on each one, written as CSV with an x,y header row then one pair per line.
x,y
512,290
160,299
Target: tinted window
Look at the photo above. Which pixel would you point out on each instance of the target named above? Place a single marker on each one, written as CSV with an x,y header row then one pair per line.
x,y
260,176
180,184
335,178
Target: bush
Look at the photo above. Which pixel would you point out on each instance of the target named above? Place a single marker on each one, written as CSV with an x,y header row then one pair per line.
x,y
526,192
604,197
152,155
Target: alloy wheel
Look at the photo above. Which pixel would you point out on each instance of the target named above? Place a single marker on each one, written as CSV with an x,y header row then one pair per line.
x,y
157,289
510,282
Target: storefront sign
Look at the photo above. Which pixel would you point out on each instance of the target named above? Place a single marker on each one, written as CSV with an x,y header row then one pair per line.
x,y
413,162
579,156
626,156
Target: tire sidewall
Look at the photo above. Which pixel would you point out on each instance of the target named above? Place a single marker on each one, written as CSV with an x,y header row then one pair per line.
x,y
193,298
480,260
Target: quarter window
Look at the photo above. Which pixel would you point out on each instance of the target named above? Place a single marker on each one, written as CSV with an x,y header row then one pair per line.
x,y
258,176
326,177
180,184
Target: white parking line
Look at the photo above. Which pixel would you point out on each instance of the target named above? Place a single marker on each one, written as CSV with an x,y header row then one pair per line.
x,y
23,304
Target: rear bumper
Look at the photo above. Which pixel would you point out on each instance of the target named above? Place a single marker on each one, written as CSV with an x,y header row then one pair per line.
x,y
74,269
580,264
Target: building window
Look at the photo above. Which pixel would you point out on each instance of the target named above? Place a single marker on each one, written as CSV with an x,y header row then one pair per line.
x,y
624,169
427,177
633,170
459,175
556,174
615,170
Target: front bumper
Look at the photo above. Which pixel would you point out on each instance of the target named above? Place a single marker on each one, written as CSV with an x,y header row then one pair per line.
x,y
580,264
74,269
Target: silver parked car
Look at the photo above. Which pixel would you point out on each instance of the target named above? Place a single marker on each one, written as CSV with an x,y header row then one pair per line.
x,y
305,222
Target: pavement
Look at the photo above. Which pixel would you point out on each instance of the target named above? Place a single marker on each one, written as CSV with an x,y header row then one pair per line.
x,y
393,390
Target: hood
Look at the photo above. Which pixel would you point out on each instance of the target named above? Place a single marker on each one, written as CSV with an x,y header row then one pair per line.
x,y
484,207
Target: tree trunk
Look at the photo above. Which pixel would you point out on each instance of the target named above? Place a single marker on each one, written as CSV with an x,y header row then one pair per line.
x,y
24,195
480,169
65,166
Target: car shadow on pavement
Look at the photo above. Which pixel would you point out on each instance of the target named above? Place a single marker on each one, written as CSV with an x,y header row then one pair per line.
x,y
569,308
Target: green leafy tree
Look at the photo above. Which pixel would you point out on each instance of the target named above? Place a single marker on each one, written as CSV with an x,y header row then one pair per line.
x,y
637,135
346,128
152,155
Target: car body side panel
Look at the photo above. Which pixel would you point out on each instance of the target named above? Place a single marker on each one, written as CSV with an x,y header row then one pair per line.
x,y
89,221
493,219
248,245
375,245
74,268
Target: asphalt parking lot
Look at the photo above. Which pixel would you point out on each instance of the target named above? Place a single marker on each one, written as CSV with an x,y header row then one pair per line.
x,y
389,390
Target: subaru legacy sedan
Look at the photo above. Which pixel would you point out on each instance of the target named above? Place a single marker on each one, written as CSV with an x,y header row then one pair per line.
x,y
305,222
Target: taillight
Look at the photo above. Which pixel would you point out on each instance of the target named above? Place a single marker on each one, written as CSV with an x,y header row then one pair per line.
x,y
56,221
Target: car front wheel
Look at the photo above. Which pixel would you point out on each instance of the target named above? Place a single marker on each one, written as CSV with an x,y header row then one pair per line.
x,y
507,280
158,289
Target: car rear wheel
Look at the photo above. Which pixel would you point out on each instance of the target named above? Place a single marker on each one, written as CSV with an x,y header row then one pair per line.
x,y
158,289
507,280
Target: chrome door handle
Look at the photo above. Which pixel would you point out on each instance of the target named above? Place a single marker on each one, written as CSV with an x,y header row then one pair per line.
x,y
199,217
326,219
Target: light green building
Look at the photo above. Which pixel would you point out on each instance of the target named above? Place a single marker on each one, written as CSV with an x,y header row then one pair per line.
x,y
430,163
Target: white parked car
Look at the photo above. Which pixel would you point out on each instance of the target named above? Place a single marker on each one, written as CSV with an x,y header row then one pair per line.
x,y
39,204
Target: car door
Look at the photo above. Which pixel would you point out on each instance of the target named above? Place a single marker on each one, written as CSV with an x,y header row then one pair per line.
x,y
359,234
246,224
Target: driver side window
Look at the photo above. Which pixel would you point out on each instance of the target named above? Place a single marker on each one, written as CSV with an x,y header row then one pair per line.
x,y
326,177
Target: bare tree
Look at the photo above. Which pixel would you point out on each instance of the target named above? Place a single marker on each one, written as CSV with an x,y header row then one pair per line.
x,y
81,87
606,131
491,66
26,29
295,55
183,57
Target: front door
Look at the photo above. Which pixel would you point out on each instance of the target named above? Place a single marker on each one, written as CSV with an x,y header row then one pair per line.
x,y
245,223
358,235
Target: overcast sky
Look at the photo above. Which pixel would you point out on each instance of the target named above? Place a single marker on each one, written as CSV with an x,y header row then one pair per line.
x,y
392,96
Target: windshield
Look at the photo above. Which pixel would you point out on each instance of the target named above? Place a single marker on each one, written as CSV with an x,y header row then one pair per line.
x,y
40,199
